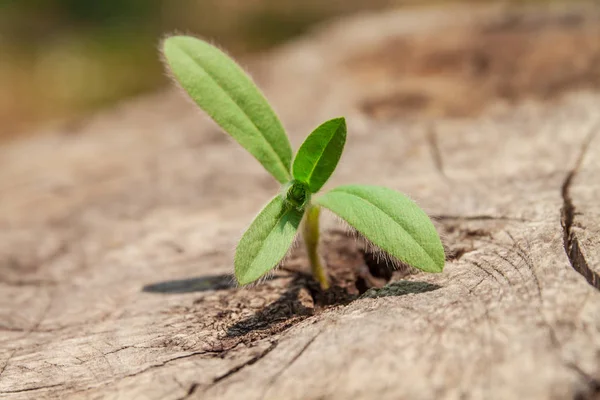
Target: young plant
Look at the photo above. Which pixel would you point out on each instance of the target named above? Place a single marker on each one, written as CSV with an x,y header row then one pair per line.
x,y
386,218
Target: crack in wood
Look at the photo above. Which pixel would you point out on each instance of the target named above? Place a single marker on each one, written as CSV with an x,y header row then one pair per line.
x,y
570,241
151,367
26,283
195,386
5,328
436,154
6,363
117,350
592,384
290,363
32,389
444,217
27,333
253,360
240,367
192,389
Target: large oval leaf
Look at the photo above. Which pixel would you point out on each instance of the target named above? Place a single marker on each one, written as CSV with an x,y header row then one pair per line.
x,y
391,221
266,241
319,154
224,91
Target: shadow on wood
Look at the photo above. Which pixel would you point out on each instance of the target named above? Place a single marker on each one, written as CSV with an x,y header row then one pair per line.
x,y
400,288
199,284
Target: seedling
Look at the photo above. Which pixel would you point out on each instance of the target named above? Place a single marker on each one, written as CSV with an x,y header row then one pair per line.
x,y
388,219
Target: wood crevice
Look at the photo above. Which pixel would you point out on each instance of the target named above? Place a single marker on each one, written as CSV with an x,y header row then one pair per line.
x,y
30,389
151,367
568,211
436,154
239,367
290,363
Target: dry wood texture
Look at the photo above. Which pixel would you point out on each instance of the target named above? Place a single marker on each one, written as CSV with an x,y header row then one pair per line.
x,y
116,233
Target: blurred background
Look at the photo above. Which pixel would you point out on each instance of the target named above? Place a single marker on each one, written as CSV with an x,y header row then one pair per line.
x,y
61,58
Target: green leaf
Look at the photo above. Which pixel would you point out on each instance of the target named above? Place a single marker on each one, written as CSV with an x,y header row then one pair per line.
x,y
266,241
391,221
319,154
224,91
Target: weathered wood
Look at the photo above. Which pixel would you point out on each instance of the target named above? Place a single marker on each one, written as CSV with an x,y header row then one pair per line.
x,y
116,235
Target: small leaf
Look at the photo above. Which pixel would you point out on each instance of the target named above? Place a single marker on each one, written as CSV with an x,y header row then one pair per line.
x,y
391,221
224,91
319,154
267,241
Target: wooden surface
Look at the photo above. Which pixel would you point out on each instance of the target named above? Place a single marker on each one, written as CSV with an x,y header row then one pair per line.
x,y
116,232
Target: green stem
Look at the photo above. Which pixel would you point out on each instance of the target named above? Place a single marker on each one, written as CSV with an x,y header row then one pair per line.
x,y
311,238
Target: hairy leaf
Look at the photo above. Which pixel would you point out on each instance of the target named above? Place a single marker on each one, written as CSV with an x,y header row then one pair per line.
x,y
391,221
319,154
266,241
224,91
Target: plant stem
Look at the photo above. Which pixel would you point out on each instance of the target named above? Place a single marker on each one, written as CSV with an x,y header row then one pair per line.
x,y
311,238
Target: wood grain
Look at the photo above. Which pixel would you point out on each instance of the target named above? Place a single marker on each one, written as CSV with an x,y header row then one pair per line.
x,y
116,234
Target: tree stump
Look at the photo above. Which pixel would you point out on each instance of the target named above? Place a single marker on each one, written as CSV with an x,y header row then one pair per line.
x,y
117,231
